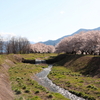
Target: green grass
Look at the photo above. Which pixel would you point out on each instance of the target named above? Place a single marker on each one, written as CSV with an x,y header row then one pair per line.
x,y
76,73
37,55
76,83
23,84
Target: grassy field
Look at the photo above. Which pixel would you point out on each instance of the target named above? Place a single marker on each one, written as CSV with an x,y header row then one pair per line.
x,y
77,73
23,84
80,74
43,56
83,86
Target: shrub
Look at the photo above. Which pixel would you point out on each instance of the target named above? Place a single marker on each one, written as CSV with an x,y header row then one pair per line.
x,y
24,87
27,91
34,98
21,98
17,91
67,82
92,87
36,92
50,96
81,81
91,98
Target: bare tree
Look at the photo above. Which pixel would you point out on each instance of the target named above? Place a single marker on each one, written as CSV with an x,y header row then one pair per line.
x,y
23,45
17,45
1,44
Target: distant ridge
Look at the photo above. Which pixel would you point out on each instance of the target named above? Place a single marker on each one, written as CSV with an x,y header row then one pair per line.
x,y
54,42
31,42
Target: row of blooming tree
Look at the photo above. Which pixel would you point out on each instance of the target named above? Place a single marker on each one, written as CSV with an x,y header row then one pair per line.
x,y
41,48
84,42
14,45
22,45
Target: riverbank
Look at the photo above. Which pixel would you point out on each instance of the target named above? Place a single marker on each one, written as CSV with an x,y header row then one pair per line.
x,y
77,73
23,84
11,65
7,61
43,80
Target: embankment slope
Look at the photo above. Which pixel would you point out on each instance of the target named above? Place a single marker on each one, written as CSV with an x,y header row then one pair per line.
x,y
85,64
6,61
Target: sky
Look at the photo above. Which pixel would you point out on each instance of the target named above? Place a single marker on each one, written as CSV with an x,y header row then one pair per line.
x,y
42,20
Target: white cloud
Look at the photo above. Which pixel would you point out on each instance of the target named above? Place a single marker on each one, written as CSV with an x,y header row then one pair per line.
x,y
7,35
62,12
38,39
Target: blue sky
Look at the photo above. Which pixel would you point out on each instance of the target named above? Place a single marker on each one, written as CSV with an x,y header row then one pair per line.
x,y
41,20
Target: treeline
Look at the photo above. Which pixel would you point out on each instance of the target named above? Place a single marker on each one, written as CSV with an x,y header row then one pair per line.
x,y
14,45
83,43
21,45
41,48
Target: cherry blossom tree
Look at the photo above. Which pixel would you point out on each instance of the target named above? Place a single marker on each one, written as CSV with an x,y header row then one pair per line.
x,y
41,48
85,42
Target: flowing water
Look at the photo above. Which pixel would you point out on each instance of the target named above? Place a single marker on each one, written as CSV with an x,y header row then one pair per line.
x,y
43,80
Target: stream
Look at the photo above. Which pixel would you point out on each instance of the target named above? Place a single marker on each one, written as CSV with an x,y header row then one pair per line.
x,y
43,80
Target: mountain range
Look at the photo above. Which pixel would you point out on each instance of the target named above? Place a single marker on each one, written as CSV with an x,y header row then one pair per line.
x,y
54,42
